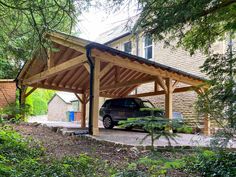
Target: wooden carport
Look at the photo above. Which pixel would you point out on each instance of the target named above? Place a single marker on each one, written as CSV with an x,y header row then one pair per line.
x,y
92,70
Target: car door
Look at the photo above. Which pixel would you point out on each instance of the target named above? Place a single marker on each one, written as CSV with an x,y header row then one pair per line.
x,y
131,108
117,109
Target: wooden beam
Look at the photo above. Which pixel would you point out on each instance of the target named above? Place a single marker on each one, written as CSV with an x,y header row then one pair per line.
x,y
71,39
129,83
80,99
207,125
174,85
156,86
106,69
117,74
68,43
29,92
49,59
86,65
56,69
161,92
161,82
96,92
169,99
83,111
38,85
155,71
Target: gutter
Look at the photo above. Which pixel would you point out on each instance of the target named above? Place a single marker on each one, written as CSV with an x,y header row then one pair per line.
x,y
91,64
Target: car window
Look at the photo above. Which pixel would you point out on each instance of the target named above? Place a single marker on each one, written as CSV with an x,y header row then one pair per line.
x,y
106,104
117,103
129,103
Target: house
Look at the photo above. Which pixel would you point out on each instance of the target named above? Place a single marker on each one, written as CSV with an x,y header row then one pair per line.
x,y
7,92
121,38
61,104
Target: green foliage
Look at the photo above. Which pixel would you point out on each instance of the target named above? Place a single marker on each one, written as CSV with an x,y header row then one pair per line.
x,y
184,129
38,101
14,113
154,164
25,158
195,24
6,69
219,100
24,23
156,127
210,163
151,109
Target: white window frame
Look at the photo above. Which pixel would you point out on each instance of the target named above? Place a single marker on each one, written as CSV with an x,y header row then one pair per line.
x,y
144,47
124,46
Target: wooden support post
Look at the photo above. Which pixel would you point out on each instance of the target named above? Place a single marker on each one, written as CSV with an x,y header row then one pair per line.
x,y
83,111
22,99
207,125
83,101
96,91
207,122
169,99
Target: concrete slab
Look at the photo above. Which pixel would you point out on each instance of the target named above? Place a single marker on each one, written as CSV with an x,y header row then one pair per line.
x,y
134,138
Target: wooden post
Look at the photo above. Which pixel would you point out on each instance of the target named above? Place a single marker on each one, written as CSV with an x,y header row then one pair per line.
x,y
169,99
96,91
207,122
207,125
83,111
22,100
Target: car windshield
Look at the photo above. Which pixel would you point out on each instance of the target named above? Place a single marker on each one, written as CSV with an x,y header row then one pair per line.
x,y
147,104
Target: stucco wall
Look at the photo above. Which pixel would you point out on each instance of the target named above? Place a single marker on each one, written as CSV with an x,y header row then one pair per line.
x,y
7,92
57,109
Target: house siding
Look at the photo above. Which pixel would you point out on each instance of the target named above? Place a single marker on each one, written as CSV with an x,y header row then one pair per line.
x,y
7,93
57,109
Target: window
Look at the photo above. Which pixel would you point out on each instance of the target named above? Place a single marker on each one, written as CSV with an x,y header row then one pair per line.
x,y
128,47
129,103
148,53
117,103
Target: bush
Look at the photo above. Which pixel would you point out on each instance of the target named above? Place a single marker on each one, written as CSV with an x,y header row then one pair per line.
x,y
212,163
14,113
184,129
156,128
21,157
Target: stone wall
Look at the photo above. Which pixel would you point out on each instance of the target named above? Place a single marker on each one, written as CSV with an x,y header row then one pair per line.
x,y
176,58
7,92
182,102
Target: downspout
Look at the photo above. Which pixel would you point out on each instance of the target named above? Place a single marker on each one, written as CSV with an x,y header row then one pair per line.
x,y
91,64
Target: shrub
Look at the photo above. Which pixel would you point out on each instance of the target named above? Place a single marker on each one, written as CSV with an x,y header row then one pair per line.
x,y
184,129
14,113
20,157
212,163
156,128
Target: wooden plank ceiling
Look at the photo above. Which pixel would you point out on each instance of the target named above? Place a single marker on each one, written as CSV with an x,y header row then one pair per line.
x,y
60,70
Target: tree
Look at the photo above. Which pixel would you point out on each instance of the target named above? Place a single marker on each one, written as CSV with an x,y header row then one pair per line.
x,y
195,24
219,100
24,23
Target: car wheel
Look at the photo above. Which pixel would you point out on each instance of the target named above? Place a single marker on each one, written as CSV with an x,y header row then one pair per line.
x,y
108,123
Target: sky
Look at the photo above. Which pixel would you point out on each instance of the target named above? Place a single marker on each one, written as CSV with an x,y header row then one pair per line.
x,y
96,21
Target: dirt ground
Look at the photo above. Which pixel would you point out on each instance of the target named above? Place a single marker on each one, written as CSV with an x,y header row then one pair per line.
x,y
58,146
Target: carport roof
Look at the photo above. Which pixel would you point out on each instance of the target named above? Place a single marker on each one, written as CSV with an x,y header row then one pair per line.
x,y
67,68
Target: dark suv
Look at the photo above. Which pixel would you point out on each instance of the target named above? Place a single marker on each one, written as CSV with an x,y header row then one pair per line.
x,y
115,110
